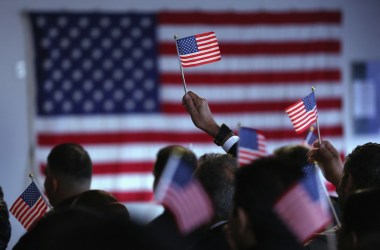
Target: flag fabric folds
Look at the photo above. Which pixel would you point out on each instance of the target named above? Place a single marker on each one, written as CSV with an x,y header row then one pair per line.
x,y
110,81
304,208
303,113
183,195
29,207
310,138
251,145
198,49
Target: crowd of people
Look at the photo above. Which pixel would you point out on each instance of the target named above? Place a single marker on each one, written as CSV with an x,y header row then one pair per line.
x,y
243,199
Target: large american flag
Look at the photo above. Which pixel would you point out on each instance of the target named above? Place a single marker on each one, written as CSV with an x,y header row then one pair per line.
x,y
112,83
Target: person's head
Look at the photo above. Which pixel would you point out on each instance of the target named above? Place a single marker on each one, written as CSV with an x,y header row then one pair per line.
x,y
361,219
216,172
68,172
102,202
259,185
163,156
361,170
80,228
296,153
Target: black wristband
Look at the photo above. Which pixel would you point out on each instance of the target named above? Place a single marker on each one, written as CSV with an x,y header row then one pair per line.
x,y
222,134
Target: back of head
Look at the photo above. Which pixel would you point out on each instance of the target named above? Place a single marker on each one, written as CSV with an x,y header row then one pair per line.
x,y
294,153
68,172
363,163
70,162
163,156
258,186
361,217
216,172
80,228
102,202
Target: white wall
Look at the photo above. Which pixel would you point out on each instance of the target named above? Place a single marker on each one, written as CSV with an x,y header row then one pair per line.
x,y
361,41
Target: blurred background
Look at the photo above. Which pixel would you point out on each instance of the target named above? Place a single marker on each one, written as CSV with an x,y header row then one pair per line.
x,y
105,74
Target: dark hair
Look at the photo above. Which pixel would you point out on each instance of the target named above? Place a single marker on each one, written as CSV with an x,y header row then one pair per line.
x,y
361,217
258,186
163,155
71,161
363,163
362,212
216,173
294,153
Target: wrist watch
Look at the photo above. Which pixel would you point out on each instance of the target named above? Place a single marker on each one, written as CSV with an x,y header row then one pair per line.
x,y
224,131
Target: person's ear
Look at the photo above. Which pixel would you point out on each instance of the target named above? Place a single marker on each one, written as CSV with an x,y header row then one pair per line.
x,y
55,185
245,228
354,238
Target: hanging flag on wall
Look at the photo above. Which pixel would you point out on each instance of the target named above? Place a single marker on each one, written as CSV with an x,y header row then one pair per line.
x,y
110,81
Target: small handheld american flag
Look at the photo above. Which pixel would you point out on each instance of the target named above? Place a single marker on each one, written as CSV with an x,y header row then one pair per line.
x,y
29,207
252,145
198,49
304,208
183,195
303,113
310,138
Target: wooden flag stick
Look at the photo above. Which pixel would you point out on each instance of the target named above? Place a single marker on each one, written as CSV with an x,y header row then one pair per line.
x,y
180,66
39,189
319,133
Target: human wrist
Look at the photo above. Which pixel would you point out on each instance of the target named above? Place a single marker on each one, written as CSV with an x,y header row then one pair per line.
x,y
223,134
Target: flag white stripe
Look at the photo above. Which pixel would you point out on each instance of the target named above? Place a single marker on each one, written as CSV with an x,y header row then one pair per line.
x,y
121,182
200,61
202,56
262,33
259,63
175,123
256,92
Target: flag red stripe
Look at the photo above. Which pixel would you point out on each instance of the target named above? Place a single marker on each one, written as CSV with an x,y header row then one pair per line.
x,y
46,139
257,18
131,196
203,61
268,48
116,167
254,107
251,78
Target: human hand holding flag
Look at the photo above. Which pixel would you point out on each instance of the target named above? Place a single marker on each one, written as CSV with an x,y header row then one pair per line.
x,y
197,50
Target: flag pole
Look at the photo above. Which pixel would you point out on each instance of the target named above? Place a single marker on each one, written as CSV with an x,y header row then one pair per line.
x,y
327,195
39,189
315,164
319,133
180,66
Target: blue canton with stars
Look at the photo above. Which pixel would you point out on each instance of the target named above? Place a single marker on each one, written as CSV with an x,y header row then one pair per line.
x,y
309,101
248,139
31,195
95,63
187,45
